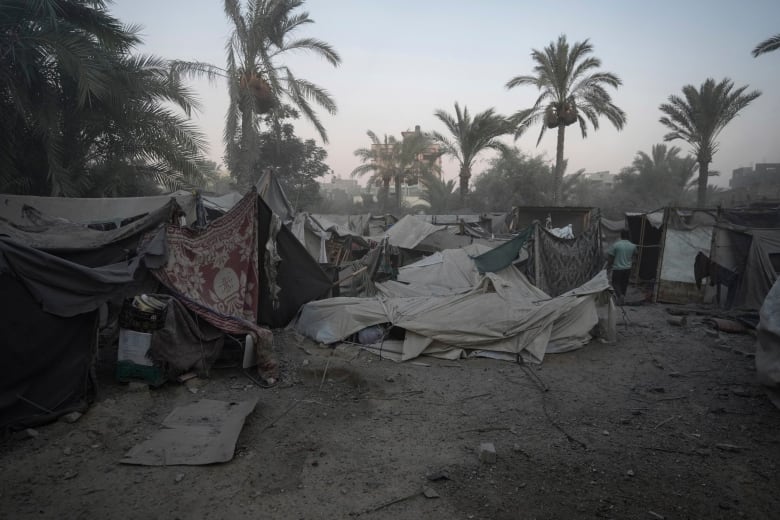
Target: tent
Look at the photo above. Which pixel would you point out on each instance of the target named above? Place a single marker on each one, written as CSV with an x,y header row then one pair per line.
x,y
447,308
669,240
746,242
59,275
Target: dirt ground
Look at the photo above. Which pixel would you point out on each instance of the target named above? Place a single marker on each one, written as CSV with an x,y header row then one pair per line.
x,y
666,423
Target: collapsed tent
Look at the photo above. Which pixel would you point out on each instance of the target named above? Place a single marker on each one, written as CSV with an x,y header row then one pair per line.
x,y
445,307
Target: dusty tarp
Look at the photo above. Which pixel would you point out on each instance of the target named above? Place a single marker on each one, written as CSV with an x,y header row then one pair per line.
x,y
679,252
299,276
408,232
270,190
199,433
93,210
760,274
564,264
185,342
222,203
768,350
83,245
45,359
503,255
502,313
68,289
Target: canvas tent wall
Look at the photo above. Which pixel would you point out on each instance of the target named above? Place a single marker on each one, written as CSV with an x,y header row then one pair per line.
x,y
685,232
746,241
48,333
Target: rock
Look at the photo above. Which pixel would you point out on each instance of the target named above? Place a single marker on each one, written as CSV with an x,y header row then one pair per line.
x,y
430,493
71,417
69,475
605,433
438,475
390,379
30,433
630,473
179,477
67,450
305,363
487,453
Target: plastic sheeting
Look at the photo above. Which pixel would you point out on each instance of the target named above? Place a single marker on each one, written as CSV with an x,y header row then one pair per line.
x,y
680,249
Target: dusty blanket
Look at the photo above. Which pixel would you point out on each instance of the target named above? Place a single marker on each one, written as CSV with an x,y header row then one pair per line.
x,y
564,264
214,272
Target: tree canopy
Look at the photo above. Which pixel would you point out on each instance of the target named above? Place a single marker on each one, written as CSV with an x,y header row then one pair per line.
x,y
571,90
80,113
699,115
469,137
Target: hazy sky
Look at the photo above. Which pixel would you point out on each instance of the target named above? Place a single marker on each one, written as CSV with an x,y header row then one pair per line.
x,y
403,59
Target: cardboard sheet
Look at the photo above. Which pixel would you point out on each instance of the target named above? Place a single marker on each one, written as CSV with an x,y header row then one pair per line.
x,y
199,433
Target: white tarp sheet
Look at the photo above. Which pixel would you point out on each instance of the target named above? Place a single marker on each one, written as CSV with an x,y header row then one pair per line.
x,y
680,250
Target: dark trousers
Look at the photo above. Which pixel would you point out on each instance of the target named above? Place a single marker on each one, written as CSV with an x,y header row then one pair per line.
x,y
620,280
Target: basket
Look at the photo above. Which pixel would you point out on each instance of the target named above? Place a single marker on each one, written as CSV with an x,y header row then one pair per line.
x,y
133,318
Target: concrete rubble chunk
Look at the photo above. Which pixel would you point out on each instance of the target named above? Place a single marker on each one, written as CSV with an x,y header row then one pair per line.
x,y
487,453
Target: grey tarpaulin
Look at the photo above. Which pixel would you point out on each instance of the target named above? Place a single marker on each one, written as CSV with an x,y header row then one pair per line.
x,y
186,342
67,289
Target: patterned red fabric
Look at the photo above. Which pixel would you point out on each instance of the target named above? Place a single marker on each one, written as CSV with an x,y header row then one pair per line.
x,y
217,267
214,272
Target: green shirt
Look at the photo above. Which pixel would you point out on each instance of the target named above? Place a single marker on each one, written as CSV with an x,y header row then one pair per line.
x,y
623,251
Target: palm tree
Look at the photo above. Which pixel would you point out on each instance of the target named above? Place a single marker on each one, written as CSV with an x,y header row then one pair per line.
x,y
77,109
469,138
438,193
660,177
393,160
258,84
698,118
572,90
768,45
43,46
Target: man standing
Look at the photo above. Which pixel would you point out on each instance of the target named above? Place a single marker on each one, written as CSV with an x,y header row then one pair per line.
x,y
620,257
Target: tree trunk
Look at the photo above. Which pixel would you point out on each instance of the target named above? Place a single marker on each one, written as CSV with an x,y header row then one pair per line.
x,y
465,175
385,193
558,175
247,130
704,174
398,194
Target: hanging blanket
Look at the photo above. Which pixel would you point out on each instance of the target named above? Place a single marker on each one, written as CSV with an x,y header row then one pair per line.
x,y
214,272
564,264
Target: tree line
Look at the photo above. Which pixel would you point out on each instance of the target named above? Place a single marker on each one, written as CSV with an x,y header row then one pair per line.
x,y
82,113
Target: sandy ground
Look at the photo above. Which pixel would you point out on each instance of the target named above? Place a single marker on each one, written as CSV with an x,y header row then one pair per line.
x,y
666,423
